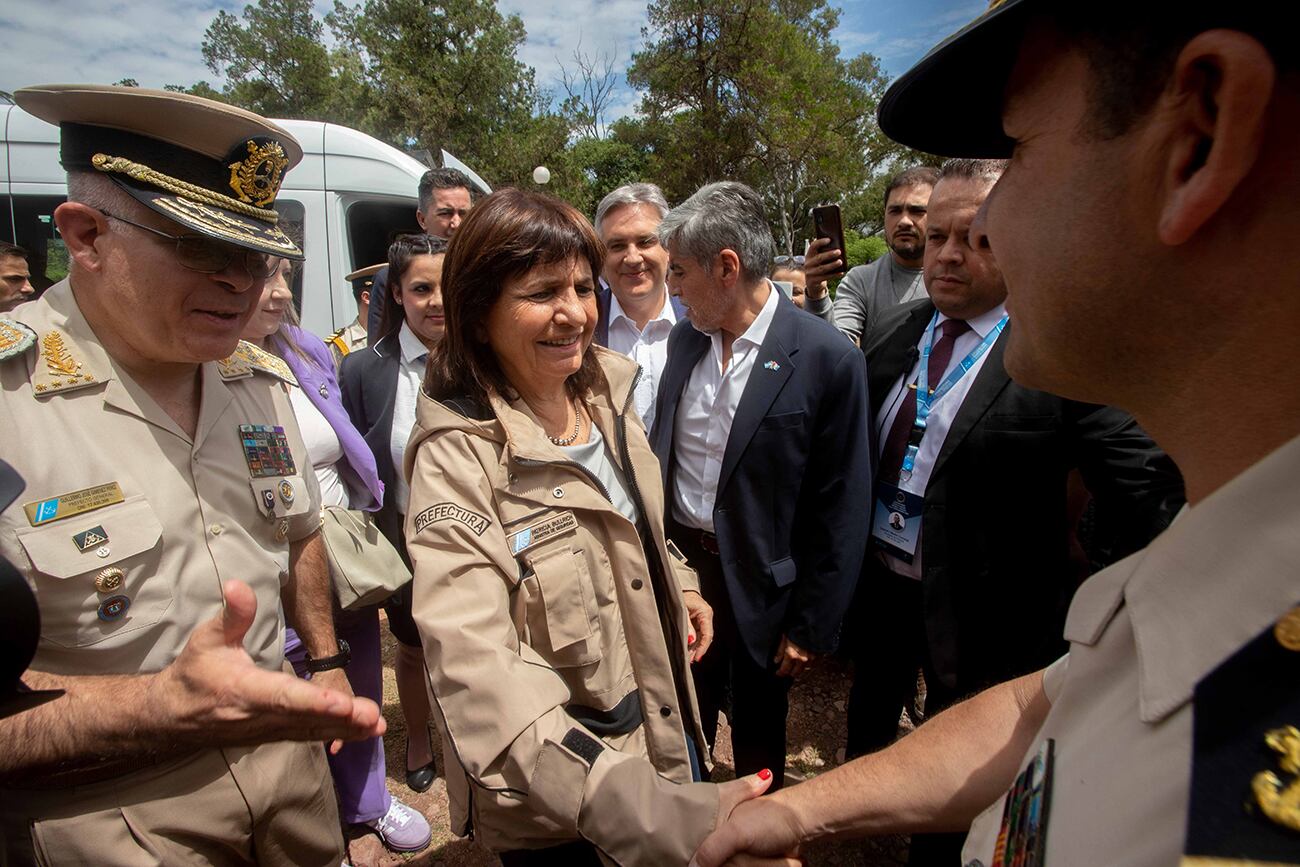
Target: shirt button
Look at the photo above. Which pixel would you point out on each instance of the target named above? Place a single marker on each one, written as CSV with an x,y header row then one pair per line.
x,y
558,493
216,529
665,711
637,584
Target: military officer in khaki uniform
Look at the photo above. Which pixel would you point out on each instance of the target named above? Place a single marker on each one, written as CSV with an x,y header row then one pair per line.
x,y
1170,734
350,338
170,524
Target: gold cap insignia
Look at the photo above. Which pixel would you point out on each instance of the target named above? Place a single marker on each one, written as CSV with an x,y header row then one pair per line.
x,y
256,178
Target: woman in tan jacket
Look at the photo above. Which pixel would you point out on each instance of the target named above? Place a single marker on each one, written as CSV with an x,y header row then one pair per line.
x,y
558,623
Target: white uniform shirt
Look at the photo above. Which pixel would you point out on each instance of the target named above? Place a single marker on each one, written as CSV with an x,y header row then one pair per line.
x,y
704,415
648,347
942,412
1142,634
410,377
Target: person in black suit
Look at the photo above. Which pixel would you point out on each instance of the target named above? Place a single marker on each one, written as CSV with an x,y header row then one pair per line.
x,y
379,385
762,433
969,575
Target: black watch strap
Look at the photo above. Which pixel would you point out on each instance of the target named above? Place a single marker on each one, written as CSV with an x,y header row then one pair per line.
x,y
338,660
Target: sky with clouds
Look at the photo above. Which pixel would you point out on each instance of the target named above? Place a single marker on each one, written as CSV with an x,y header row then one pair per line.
x,y
157,42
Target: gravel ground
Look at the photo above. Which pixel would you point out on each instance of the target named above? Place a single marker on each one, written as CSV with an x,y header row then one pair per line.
x,y
816,739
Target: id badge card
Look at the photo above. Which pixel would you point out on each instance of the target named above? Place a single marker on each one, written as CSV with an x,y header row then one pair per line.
x,y
896,523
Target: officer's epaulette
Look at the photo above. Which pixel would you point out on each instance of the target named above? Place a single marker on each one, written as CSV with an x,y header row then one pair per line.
x,y
1244,805
248,358
15,338
336,340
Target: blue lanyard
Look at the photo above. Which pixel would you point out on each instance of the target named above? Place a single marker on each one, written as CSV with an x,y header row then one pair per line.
x,y
925,398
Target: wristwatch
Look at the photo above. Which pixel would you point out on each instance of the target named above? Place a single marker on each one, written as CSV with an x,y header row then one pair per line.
x,y
338,660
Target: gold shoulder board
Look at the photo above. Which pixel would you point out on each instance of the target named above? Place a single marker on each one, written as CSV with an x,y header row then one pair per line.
x,y
15,338
248,358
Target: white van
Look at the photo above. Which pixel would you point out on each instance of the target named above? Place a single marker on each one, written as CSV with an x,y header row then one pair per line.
x,y
351,193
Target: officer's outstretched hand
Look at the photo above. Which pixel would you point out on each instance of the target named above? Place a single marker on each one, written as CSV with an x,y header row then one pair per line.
x,y
751,831
217,695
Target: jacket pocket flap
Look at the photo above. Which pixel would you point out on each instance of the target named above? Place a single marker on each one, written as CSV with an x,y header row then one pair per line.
x,y
783,572
562,575
77,545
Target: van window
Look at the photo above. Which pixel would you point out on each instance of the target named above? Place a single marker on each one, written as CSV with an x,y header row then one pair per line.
x,y
33,225
372,227
292,215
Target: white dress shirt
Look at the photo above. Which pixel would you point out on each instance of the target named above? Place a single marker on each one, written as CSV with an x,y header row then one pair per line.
x,y
648,347
410,377
323,448
942,412
704,415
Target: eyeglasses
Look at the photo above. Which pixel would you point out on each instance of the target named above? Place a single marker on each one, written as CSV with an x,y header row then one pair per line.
x,y
206,256
789,260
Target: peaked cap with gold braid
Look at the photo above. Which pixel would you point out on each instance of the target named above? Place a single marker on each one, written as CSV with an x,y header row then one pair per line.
x,y
211,167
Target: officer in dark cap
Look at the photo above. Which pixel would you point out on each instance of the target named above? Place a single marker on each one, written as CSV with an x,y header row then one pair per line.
x,y
1162,134
170,526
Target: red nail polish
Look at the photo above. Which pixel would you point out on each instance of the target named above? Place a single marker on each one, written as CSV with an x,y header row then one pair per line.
x,y
690,638
765,775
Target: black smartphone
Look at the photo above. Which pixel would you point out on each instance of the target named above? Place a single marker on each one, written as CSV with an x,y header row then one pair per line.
x,y
827,224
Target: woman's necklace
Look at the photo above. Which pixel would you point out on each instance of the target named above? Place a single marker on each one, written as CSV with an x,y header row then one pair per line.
x,y
577,428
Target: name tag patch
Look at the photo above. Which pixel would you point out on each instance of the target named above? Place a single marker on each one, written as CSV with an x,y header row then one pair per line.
x,y
451,512
540,532
75,503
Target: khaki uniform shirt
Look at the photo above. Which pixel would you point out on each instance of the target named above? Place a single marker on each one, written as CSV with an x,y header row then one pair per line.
x,y
564,698
131,527
347,340
1142,634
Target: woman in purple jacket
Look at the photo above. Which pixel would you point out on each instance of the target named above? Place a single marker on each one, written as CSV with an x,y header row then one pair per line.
x,y
345,469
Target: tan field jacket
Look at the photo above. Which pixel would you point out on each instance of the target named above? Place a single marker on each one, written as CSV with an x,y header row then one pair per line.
x,y
557,651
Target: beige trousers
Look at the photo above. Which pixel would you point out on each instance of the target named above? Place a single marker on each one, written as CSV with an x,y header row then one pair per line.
x,y
269,805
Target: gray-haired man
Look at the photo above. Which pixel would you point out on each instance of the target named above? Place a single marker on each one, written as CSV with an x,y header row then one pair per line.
x,y
636,311
762,436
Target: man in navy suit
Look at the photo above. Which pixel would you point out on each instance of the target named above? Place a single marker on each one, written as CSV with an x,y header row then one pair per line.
x,y
761,429
636,313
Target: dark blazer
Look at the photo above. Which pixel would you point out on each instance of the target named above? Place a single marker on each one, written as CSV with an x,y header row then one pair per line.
x,y
996,574
368,379
602,306
791,509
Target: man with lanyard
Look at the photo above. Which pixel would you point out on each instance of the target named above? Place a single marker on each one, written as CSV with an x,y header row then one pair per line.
x,y
970,576
1163,133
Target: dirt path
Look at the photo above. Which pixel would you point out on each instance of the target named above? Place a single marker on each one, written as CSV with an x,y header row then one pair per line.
x,y
817,733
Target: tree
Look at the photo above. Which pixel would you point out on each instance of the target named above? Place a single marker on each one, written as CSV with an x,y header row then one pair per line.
x,y
756,91
275,63
446,75
589,88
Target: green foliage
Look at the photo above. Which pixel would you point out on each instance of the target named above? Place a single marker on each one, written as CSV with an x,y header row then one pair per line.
x,y
863,249
751,90
756,91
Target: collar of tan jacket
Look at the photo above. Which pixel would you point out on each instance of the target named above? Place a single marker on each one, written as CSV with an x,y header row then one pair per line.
x,y
516,426
1221,574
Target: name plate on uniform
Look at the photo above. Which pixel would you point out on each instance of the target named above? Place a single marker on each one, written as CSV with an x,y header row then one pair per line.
x,y
538,533
75,503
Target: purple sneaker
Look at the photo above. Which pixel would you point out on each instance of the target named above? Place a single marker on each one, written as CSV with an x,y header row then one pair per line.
x,y
402,829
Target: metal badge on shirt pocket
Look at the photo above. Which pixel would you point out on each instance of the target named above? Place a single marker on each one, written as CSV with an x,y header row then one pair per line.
x,y
93,572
